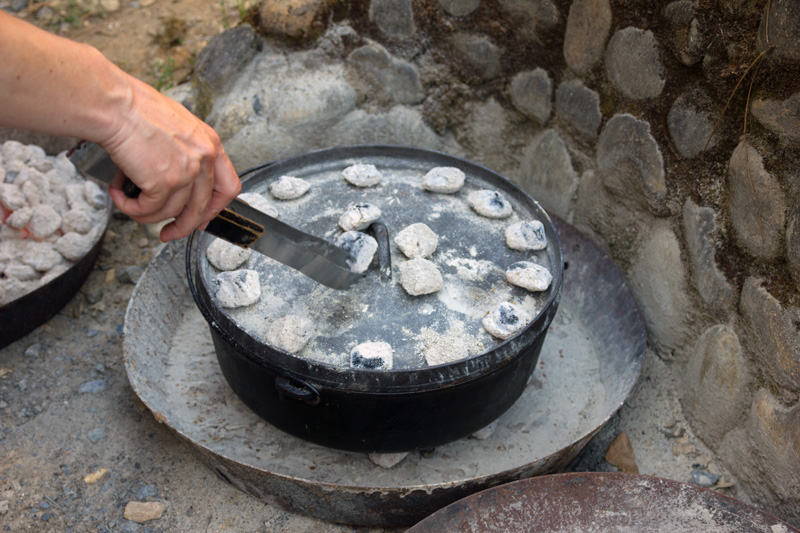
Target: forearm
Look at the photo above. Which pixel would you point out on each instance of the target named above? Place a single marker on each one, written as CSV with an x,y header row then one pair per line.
x,y
53,85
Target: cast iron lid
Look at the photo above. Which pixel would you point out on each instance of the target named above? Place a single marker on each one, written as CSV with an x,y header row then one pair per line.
x,y
472,256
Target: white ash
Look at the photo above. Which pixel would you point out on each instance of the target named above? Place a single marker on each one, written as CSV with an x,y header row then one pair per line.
x,y
417,240
20,218
75,196
41,256
360,246
44,221
73,246
290,333
78,220
490,204
530,276
11,289
289,188
485,432
445,180
362,175
419,276
20,271
372,356
452,345
226,256
15,150
94,195
506,320
526,235
33,194
387,460
359,216
238,288
257,201
11,197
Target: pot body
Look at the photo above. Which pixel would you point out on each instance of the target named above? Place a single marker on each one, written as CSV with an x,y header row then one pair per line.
x,y
379,411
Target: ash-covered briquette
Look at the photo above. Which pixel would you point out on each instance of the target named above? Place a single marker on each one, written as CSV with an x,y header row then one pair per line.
x,y
417,240
419,276
372,356
444,180
226,256
289,188
359,216
238,288
362,175
257,201
49,218
490,204
290,333
506,320
526,235
530,276
360,246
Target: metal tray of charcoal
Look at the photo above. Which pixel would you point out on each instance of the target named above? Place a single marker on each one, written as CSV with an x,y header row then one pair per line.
x,y
590,362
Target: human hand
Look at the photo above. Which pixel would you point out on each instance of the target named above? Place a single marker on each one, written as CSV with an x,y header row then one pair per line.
x,y
176,160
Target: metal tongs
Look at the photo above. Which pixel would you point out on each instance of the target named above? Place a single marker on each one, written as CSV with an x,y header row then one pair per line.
x,y
244,226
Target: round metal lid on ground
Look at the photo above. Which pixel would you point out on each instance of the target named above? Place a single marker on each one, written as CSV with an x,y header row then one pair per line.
x,y
595,502
590,363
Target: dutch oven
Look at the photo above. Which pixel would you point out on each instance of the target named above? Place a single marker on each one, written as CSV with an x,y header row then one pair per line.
x,y
380,411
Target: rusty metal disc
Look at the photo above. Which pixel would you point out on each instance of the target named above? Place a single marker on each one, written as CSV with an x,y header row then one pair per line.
x,y
600,502
589,365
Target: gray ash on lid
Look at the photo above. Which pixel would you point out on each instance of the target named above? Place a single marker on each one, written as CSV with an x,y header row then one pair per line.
x,y
471,257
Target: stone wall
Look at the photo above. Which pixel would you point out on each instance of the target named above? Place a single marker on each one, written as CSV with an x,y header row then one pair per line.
x,y
604,111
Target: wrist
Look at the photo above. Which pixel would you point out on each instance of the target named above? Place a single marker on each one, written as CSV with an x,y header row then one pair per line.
x,y
108,107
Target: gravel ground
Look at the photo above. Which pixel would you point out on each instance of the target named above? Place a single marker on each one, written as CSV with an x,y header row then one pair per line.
x,y
67,412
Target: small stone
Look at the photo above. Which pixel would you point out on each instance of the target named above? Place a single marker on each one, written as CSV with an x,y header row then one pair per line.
x,y
3,507
141,512
780,116
417,240
793,245
506,320
294,18
143,242
238,288
490,204
146,491
459,8
526,235
443,180
362,175
620,454
289,188
531,93
110,6
704,479
700,232
33,350
419,276
394,18
547,169
221,61
529,276
683,447
757,204
96,435
130,274
687,39
588,25
689,128
290,333
387,77
359,216
633,64
579,108
93,387
387,460
486,432
257,201
95,476
723,484
226,256
361,248
477,55
44,221
372,356
782,22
